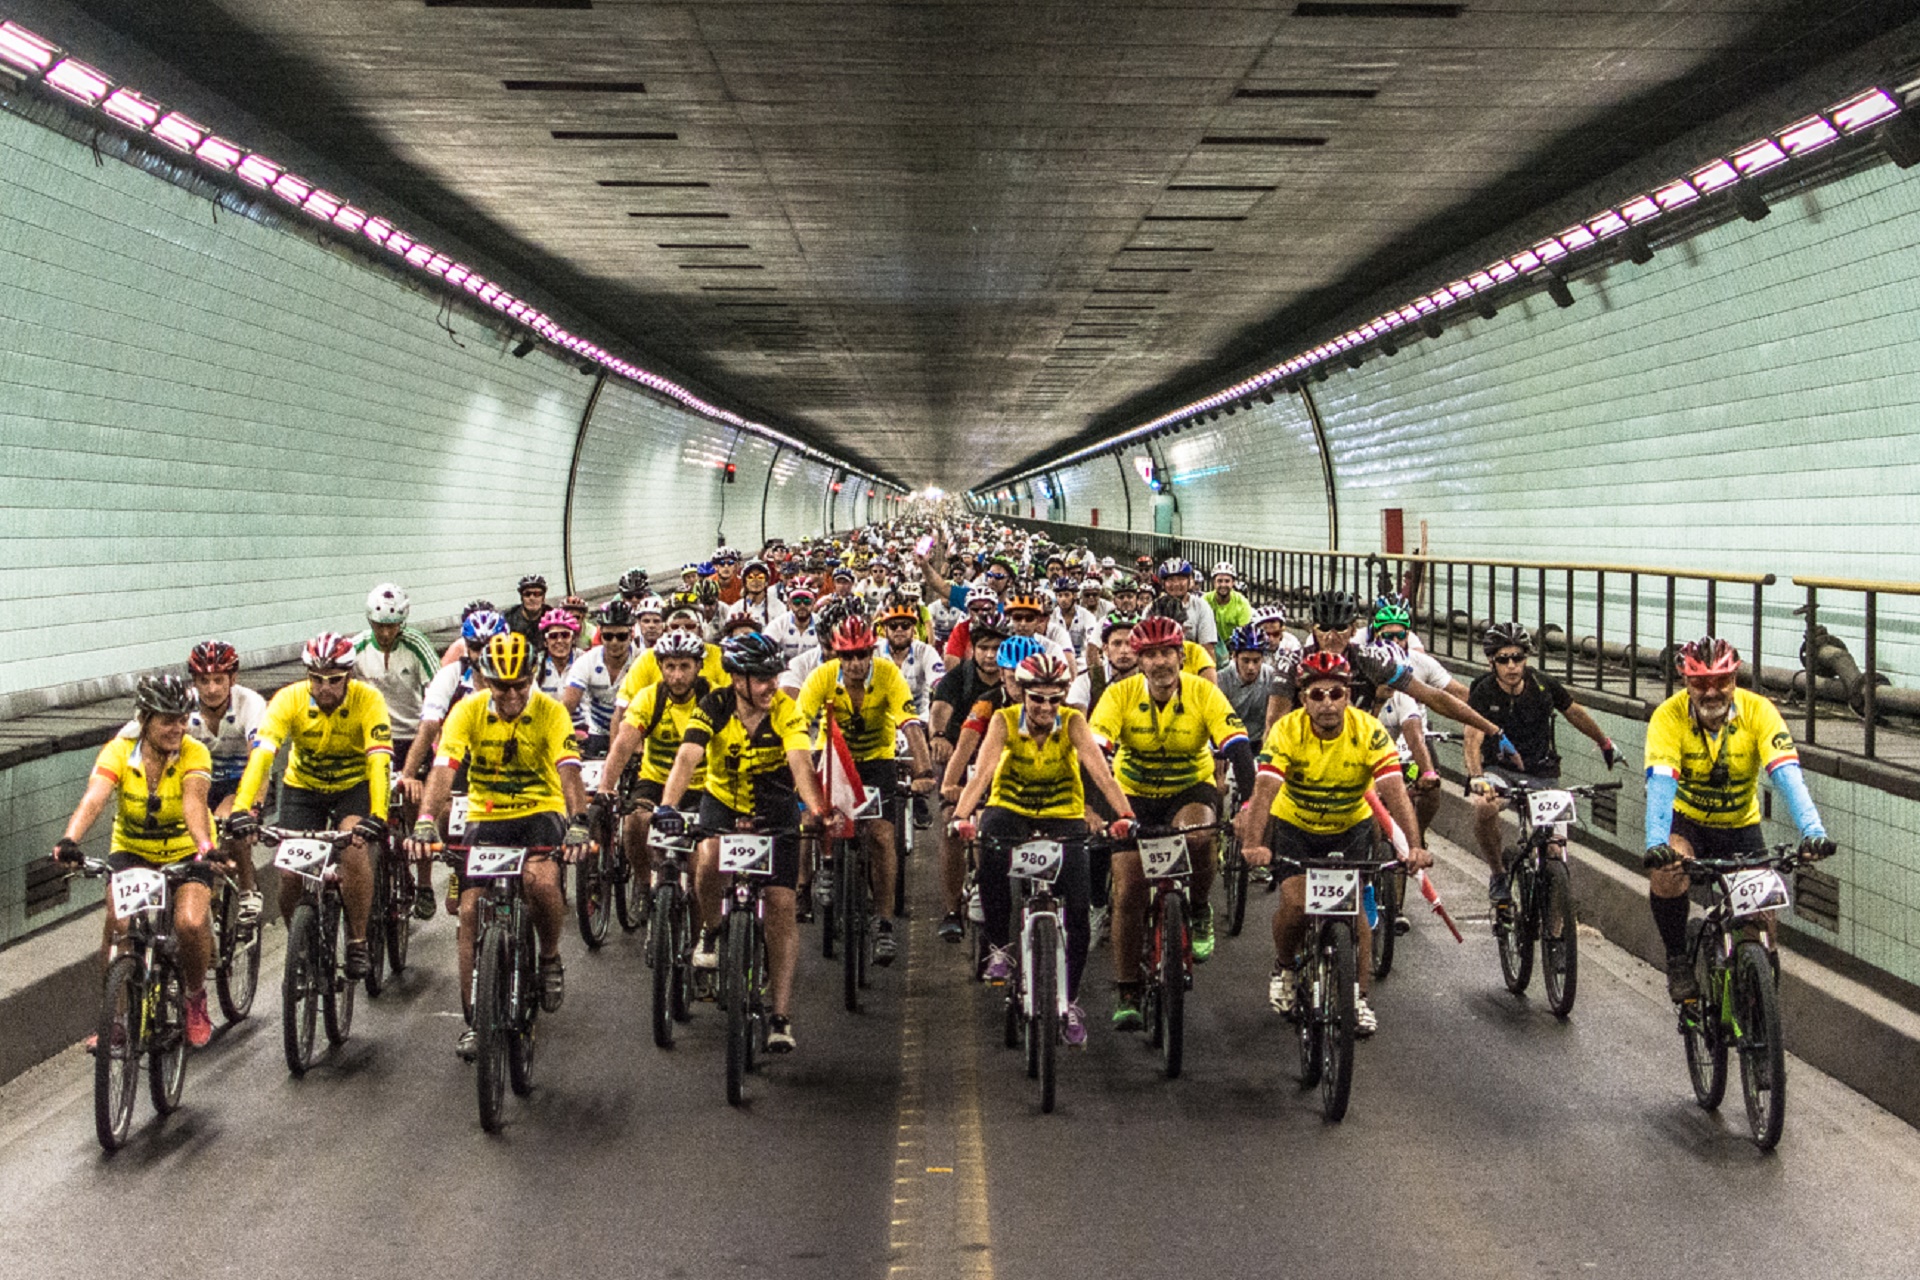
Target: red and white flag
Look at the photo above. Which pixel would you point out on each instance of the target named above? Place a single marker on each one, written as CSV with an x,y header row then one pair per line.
x,y
840,779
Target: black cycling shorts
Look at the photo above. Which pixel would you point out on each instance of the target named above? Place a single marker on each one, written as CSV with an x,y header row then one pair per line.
x,y
1719,842
303,809
1159,811
534,830
649,793
206,873
719,819
1289,841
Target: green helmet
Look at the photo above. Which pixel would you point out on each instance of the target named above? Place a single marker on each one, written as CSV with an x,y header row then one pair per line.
x,y
1389,612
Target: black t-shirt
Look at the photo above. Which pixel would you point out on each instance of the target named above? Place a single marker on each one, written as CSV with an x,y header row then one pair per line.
x,y
960,688
1526,717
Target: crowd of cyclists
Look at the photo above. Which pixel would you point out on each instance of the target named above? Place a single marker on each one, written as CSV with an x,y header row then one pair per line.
x,y
970,680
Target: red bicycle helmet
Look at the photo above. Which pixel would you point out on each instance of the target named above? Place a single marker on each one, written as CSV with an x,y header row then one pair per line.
x,y
1158,633
1708,656
1321,665
853,636
210,657
1041,668
328,651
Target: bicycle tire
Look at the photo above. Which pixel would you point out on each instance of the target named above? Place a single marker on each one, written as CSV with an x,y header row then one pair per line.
x,y
336,993
1388,889
1173,981
492,1022
661,955
1516,933
1763,1056
829,918
850,907
1236,874
1312,977
1559,939
631,900
1014,1018
1700,1031
738,961
116,1053
1044,1031
758,1023
523,1009
683,976
236,978
1338,1001
400,917
300,988
166,1037
592,904
379,919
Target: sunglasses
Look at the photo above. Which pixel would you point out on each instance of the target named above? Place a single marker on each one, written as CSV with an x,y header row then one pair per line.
x,y
1710,684
1046,699
996,575
1508,659
326,682
616,636
1327,695
1393,637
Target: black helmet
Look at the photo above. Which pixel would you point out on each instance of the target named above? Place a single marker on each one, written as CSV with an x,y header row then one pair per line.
x,y
1506,635
616,613
1168,607
752,654
533,582
634,582
1334,610
162,695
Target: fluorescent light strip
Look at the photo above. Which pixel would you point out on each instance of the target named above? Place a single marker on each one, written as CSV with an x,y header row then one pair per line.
x,y
36,56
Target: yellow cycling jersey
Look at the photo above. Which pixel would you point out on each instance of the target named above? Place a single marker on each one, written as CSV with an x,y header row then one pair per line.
x,y
887,707
156,832
513,766
1718,775
1325,780
1038,779
331,752
738,762
1194,658
1163,751
669,727
645,671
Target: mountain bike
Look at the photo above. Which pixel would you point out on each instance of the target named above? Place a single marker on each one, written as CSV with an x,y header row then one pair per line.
x,y
670,938
1166,961
1541,891
1036,995
1235,874
390,921
601,876
748,858
1326,978
1733,957
235,966
1390,887
314,981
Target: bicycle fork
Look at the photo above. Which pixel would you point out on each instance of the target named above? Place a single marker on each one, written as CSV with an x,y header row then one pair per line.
x,y
1059,960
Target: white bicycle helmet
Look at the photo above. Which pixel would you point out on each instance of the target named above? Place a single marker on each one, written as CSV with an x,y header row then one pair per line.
x,y
387,603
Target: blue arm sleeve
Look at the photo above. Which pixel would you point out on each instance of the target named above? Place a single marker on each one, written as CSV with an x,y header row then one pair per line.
x,y
1660,792
1791,785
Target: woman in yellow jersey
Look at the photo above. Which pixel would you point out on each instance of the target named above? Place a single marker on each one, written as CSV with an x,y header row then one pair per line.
x,y
1030,763
157,783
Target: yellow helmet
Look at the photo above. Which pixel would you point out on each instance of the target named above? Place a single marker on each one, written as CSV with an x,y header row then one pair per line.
x,y
506,658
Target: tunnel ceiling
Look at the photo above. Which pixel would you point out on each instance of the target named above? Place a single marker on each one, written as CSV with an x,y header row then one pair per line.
x,y
944,236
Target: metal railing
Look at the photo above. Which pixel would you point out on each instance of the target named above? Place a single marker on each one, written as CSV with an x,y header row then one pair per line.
x,y
1830,669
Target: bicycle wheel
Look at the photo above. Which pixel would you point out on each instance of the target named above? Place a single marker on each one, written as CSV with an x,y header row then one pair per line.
x,y
1173,981
1700,1027
592,901
379,918
1515,932
1763,1056
1235,871
336,993
300,988
1337,1000
738,971
1043,1033
1388,888
1312,979
850,907
237,976
492,1022
683,984
663,956
829,919
400,902
166,1037
116,1053
1559,938
523,1010
630,896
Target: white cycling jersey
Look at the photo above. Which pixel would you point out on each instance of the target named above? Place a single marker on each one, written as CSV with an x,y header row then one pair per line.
x,y
598,686
401,676
791,634
231,740
921,665
450,684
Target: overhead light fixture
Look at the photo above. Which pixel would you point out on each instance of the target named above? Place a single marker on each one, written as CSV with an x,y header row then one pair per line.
x,y
1484,305
1320,373
1388,347
1558,291
1638,250
1266,397
525,346
1432,327
1353,361
1748,200
1900,139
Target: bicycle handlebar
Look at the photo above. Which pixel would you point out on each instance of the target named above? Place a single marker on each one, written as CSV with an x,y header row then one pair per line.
x,y
1781,857
274,835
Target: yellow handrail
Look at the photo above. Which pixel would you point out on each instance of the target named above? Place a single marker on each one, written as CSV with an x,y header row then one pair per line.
x,y
1860,584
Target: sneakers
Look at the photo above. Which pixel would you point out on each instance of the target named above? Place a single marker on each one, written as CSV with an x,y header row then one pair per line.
x,y
884,947
359,961
1260,875
246,912
553,984
1280,989
199,1025
952,927
1202,934
1402,926
1126,1011
1499,891
1364,1021
424,906
1074,1031
468,1045
707,954
780,1034
1000,965
1682,986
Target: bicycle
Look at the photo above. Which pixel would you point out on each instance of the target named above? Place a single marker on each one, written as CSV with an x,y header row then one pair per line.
x,y
852,912
143,1004
390,920
1235,874
748,858
314,981
1166,961
1036,995
1390,888
1732,953
600,879
1326,976
506,972
670,939
235,966
1541,892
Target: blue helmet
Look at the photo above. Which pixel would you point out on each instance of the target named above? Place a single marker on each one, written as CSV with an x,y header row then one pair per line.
x,y
1249,639
1015,650
480,626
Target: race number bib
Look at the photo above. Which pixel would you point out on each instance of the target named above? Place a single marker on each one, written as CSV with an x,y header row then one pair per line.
x,y
493,861
303,857
1037,860
746,855
1751,892
590,771
457,817
1332,892
1550,808
1162,857
138,889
